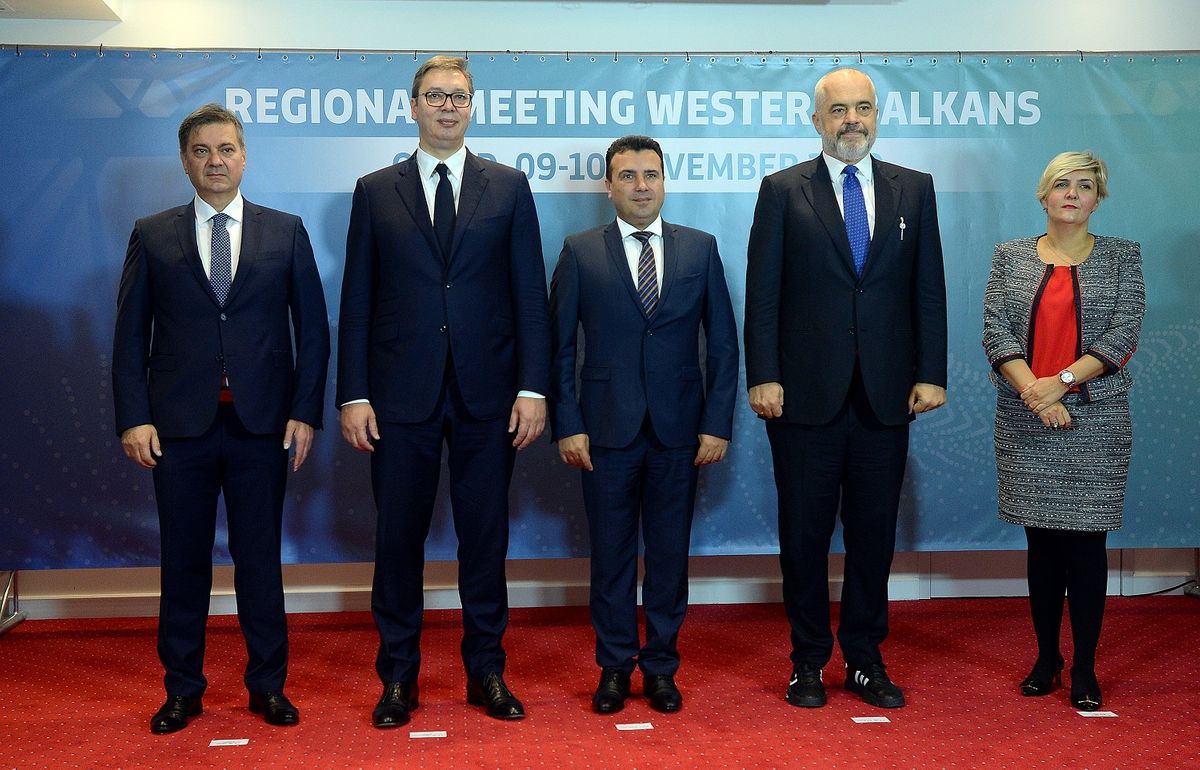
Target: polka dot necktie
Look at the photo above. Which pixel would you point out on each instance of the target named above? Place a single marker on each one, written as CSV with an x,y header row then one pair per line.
x,y
647,279
854,211
221,266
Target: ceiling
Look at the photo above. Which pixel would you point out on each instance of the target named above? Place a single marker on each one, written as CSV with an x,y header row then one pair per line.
x,y
88,10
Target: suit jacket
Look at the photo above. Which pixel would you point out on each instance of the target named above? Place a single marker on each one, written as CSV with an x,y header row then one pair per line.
x,y
173,339
634,365
810,318
406,309
1112,301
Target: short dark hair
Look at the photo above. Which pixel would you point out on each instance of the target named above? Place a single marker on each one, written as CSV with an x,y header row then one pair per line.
x,y
633,143
207,115
451,63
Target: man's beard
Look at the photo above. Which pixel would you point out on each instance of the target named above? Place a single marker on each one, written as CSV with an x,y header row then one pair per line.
x,y
850,147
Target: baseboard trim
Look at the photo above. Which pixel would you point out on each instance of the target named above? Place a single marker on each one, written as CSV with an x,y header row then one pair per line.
x,y
753,579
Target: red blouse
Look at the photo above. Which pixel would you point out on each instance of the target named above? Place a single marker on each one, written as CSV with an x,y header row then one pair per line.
x,y
1055,332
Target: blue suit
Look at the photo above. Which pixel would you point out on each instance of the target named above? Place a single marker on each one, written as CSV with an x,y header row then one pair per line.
x,y
173,341
643,399
440,344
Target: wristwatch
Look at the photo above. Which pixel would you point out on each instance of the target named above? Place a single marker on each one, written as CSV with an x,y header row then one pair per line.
x,y
1067,377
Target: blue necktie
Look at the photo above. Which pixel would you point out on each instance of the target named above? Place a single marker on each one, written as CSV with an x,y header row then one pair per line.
x,y
220,269
854,211
647,278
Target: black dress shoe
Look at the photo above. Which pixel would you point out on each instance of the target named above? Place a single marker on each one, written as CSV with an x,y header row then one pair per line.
x,y
874,687
174,714
662,692
1085,690
396,706
275,708
1044,678
805,689
492,693
613,690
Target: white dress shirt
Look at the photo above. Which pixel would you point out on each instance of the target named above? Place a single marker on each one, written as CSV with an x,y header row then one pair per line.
x,y
204,225
430,177
633,248
866,178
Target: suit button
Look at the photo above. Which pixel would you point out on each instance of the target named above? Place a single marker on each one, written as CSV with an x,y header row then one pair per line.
x,y
223,317
852,330
442,329
448,285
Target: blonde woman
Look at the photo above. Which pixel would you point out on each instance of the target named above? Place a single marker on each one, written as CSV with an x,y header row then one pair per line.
x,y
1062,313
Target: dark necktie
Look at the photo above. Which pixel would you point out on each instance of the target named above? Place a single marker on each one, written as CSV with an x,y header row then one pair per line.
x,y
647,279
443,211
220,269
854,211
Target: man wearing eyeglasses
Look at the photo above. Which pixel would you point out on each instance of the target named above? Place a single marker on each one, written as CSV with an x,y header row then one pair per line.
x,y
443,339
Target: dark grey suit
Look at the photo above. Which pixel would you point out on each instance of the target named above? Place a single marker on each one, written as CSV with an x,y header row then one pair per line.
x,y
847,350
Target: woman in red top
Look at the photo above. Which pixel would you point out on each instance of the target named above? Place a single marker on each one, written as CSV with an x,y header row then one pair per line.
x,y
1062,313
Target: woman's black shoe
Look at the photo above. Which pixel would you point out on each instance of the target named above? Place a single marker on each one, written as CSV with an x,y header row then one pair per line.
x,y
1085,691
1044,678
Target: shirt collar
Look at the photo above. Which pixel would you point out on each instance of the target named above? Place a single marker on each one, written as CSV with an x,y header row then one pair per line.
x,y
866,170
627,229
455,163
205,212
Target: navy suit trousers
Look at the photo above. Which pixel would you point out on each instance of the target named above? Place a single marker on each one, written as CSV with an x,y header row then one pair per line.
x,y
405,467
250,470
657,484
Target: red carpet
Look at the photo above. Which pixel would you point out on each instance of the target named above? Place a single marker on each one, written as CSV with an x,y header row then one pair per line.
x,y
80,694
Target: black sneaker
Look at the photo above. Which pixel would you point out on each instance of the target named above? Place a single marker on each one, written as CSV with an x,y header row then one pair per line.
x,y
805,688
873,685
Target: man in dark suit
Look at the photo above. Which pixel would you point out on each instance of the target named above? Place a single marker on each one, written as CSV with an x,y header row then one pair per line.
x,y
846,316
213,297
647,414
444,338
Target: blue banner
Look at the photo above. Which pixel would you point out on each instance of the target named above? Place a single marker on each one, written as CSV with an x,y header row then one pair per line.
x,y
90,145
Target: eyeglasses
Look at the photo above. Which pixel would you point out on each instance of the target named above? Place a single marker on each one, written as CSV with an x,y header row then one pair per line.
x,y
459,99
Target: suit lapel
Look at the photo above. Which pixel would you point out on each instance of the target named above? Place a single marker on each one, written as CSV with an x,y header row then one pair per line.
x,y
412,194
185,230
251,247
819,191
670,263
887,202
620,263
474,182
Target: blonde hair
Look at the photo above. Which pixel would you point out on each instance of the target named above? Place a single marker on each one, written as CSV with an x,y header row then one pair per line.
x,y
1066,162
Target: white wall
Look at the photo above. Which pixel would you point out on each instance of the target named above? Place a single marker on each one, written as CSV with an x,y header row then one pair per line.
x,y
489,25
907,26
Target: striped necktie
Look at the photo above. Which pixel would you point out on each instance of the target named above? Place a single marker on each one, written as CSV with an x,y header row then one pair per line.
x,y
647,279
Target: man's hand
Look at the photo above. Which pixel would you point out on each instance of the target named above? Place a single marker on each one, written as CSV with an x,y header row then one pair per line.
x,y
527,421
141,445
300,434
575,450
712,450
925,398
767,399
359,426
